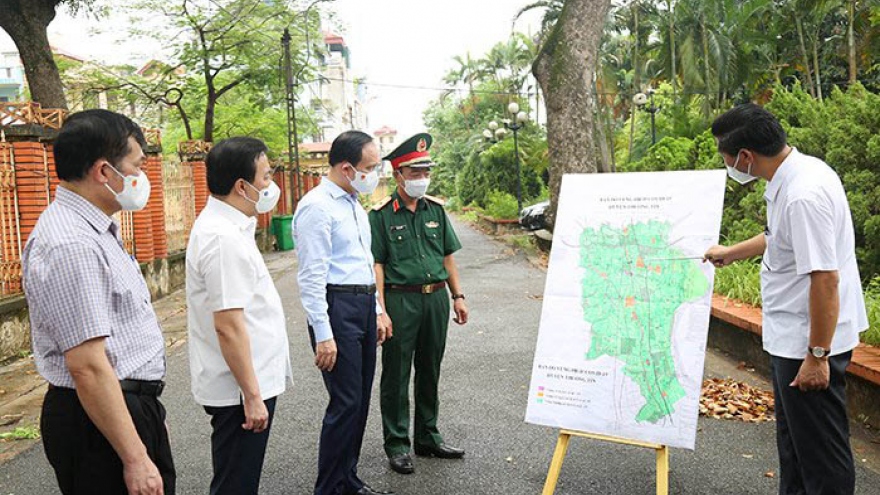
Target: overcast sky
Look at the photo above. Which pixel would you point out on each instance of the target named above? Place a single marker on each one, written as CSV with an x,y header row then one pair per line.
x,y
392,42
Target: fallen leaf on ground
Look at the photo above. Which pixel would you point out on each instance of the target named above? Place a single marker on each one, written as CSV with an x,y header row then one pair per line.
x,y
729,399
769,474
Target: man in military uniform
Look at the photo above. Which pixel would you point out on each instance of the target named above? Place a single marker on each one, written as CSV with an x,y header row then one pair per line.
x,y
413,243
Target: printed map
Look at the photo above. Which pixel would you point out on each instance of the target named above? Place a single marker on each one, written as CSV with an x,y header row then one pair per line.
x,y
622,336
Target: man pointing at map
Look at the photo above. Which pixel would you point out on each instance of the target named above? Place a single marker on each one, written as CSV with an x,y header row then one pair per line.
x,y
813,306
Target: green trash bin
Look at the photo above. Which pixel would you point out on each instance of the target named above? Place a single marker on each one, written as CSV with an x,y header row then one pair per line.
x,y
282,227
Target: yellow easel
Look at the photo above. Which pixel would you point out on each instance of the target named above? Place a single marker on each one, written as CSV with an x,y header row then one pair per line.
x,y
562,448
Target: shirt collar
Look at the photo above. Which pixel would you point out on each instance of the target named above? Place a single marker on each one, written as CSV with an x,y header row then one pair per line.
x,y
336,192
230,213
86,209
420,203
781,175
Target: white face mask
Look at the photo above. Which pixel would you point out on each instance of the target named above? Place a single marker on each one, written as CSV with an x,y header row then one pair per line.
x,y
364,182
742,177
268,197
135,190
416,188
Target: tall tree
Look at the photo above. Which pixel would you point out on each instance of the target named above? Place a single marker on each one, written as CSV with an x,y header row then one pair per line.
x,y
26,22
564,69
226,44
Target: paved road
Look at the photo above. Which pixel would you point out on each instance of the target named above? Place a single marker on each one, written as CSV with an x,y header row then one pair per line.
x,y
484,392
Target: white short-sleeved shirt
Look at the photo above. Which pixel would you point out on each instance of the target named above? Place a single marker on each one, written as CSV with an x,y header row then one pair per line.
x,y
225,270
809,228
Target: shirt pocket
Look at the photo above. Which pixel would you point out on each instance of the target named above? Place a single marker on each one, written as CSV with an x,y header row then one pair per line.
x,y
434,238
128,303
402,242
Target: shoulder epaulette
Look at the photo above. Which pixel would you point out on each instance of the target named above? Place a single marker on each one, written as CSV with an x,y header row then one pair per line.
x,y
382,203
435,200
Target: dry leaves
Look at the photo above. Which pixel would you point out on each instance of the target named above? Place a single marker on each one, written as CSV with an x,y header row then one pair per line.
x,y
729,399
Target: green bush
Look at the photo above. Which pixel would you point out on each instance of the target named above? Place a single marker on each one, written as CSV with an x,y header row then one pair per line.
x,y
843,130
740,281
502,206
872,301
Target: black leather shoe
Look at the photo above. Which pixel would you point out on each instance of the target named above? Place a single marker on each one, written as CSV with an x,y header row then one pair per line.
x,y
441,451
366,490
402,464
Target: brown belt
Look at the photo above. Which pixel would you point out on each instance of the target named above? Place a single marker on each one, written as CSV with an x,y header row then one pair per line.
x,y
424,289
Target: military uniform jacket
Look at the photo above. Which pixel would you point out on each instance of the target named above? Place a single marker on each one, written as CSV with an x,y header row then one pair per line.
x,y
412,245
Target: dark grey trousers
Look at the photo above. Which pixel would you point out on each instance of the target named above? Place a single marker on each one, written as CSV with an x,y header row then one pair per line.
x,y
812,432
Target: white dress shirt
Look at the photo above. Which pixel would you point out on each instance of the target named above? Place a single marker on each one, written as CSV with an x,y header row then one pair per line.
x,y
333,244
225,270
809,228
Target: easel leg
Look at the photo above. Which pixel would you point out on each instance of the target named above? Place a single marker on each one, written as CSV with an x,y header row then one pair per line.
x,y
556,464
663,470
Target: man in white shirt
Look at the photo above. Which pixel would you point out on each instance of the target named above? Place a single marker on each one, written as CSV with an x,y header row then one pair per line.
x,y
813,305
238,351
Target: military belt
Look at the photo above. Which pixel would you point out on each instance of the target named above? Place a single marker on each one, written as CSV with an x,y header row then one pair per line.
x,y
423,289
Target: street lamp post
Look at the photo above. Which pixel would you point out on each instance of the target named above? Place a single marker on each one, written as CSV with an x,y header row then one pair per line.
x,y
641,99
497,133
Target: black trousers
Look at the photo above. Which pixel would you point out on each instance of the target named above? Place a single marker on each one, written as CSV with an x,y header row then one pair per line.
x,y
237,454
84,461
353,319
812,432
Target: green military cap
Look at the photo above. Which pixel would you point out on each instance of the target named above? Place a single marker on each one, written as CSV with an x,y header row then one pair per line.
x,y
412,153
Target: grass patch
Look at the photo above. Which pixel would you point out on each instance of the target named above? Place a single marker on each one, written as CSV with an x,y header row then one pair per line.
x,y
469,216
872,303
740,281
31,432
522,242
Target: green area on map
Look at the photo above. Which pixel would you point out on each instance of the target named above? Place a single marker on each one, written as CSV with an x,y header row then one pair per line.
x,y
633,284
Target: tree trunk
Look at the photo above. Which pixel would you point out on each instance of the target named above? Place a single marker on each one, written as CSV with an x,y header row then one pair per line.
x,y
816,67
210,105
602,139
851,43
26,21
636,84
707,73
673,76
564,69
800,30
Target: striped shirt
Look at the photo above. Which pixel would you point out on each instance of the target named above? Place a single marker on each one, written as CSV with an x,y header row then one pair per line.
x,y
81,284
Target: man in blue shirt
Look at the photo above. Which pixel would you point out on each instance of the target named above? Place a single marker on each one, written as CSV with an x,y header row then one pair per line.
x,y
338,292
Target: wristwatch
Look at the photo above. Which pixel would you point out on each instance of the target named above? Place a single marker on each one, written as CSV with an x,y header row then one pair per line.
x,y
457,296
819,352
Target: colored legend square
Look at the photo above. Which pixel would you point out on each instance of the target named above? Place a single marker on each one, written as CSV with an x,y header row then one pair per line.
x,y
540,401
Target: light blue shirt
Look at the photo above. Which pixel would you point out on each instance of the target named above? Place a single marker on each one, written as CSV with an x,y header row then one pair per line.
x,y
333,244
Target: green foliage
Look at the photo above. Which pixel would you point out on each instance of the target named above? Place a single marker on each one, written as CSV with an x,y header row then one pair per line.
x,y
494,169
501,206
872,301
680,118
843,130
223,57
31,432
741,281
468,166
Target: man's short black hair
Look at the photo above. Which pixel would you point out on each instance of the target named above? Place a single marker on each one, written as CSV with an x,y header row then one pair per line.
x,y
749,127
90,135
348,147
232,159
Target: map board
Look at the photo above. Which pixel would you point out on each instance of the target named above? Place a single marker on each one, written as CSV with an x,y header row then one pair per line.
x,y
623,329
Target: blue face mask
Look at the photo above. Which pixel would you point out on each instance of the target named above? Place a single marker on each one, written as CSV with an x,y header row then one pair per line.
x,y
742,178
